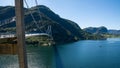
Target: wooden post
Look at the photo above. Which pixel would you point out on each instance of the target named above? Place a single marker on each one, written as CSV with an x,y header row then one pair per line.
x,y
20,34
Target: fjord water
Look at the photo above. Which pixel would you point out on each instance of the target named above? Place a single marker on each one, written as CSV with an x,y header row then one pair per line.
x,y
91,54
81,54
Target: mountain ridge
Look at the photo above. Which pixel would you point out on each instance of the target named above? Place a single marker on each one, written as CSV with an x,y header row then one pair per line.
x,y
104,30
63,30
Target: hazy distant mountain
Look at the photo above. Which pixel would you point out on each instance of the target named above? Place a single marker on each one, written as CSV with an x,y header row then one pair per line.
x,y
114,32
63,30
101,30
96,30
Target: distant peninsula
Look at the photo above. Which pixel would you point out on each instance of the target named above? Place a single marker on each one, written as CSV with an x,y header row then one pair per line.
x,y
108,33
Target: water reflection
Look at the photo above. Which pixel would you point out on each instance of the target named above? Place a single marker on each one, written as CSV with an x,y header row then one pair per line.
x,y
8,61
38,57
58,60
82,54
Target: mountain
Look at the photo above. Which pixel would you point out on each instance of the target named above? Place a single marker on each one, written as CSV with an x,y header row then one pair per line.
x,y
6,12
96,30
63,30
115,32
101,30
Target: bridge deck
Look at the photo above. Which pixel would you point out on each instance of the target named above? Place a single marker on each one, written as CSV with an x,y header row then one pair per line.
x,y
26,35
8,43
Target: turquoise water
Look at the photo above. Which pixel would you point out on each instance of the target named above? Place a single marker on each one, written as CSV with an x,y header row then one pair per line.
x,y
91,54
81,54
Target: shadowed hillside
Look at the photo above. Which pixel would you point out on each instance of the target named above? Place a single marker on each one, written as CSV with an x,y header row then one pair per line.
x,y
63,30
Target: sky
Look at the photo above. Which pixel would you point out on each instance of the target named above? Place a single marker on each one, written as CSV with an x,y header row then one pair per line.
x,y
86,13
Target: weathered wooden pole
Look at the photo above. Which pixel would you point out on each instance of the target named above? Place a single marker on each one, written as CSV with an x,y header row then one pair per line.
x,y
20,34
